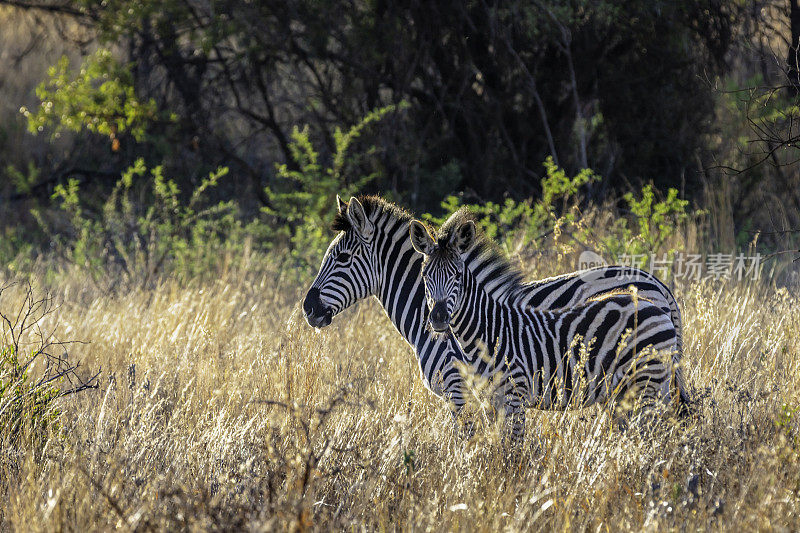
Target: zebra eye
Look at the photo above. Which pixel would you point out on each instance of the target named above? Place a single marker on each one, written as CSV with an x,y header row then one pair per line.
x,y
343,257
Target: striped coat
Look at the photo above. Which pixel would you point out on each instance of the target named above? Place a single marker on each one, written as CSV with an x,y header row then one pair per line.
x,y
588,352
372,256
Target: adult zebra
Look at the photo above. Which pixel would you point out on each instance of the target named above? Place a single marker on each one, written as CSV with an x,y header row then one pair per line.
x,y
372,255
599,350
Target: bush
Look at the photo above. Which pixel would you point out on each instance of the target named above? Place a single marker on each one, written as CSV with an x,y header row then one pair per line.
x,y
144,228
642,228
303,201
648,226
518,225
100,97
31,380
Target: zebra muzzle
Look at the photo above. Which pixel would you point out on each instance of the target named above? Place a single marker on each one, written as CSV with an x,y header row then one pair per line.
x,y
439,318
315,312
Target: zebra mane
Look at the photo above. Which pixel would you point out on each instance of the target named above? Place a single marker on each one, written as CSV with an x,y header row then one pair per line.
x,y
374,206
485,259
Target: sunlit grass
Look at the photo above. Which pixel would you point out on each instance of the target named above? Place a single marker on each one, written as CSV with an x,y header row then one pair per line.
x,y
219,408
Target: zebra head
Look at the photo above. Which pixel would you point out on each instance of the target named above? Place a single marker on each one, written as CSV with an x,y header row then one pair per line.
x,y
347,273
443,269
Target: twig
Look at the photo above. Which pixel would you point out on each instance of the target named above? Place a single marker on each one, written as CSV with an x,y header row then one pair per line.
x,y
775,254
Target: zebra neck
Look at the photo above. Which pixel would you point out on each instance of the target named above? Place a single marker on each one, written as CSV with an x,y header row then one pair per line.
x,y
477,315
492,276
400,288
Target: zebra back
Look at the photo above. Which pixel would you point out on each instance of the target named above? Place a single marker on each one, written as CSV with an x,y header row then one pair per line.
x,y
514,319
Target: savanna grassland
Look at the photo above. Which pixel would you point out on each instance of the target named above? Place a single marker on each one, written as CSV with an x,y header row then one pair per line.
x,y
169,170
219,408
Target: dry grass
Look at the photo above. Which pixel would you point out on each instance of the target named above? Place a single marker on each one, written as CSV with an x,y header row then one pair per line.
x,y
219,408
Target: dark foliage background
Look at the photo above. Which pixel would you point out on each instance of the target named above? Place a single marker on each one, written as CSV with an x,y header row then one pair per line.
x,y
639,91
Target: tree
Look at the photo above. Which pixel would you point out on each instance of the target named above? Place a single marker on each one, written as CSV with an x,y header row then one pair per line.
x,y
493,88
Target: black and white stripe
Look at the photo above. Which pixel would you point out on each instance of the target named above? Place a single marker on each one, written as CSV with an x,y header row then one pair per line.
x,y
551,358
372,255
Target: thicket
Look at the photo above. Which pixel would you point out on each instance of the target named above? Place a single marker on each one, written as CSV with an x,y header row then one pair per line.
x,y
492,91
646,224
146,226
465,111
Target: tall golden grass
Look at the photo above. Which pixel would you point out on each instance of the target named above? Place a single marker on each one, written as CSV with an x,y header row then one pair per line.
x,y
219,408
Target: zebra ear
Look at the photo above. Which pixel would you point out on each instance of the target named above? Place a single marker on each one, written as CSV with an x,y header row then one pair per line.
x,y
358,218
420,238
341,204
465,237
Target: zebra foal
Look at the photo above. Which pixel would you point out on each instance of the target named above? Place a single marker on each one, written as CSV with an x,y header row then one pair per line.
x,y
606,348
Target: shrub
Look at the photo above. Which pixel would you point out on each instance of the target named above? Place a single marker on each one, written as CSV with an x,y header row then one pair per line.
x,y
32,379
650,224
517,225
144,228
642,228
303,201
100,97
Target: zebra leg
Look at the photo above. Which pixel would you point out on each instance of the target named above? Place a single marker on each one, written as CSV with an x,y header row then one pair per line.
x,y
510,407
515,425
655,402
642,406
464,421
620,417
641,392
630,407
465,425
440,375
453,390
514,433
621,403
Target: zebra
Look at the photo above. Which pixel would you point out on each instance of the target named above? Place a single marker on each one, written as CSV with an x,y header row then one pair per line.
x,y
372,255
610,346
